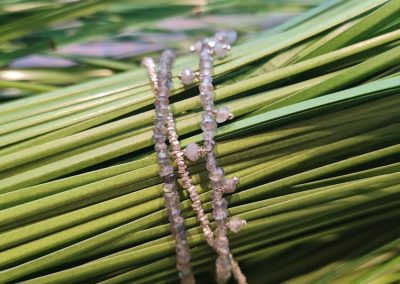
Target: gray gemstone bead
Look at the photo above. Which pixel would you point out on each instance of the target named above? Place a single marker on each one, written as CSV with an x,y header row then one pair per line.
x,y
220,50
230,184
192,151
187,76
222,114
167,170
235,224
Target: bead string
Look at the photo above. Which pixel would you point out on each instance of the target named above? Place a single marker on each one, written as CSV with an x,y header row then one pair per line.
x,y
161,86
225,263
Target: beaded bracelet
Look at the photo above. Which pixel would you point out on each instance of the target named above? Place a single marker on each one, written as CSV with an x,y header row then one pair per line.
x,y
161,86
225,262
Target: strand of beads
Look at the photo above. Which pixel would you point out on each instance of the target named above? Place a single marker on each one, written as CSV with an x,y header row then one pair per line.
x,y
225,263
171,196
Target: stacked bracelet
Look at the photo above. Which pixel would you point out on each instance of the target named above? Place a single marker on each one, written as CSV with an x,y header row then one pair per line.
x,y
164,125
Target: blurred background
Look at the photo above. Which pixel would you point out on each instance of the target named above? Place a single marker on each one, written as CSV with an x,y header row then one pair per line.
x,y
46,44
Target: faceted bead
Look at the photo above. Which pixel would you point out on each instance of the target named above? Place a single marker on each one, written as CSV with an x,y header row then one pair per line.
x,y
206,72
166,170
162,162
230,184
206,79
235,224
220,50
204,98
192,151
209,105
208,126
216,174
158,138
206,87
168,189
208,135
174,211
220,214
162,154
178,220
160,146
169,179
187,76
222,114
211,164
209,145
208,123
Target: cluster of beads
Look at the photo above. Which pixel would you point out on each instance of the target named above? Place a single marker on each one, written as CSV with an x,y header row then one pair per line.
x,y
164,126
161,85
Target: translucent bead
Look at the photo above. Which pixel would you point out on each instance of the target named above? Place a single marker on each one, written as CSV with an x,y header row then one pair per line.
x,y
231,36
192,151
181,235
208,123
178,220
235,224
211,164
209,145
196,47
207,65
158,121
206,79
160,146
209,105
169,179
206,87
222,114
168,189
204,98
208,135
205,56
219,214
221,36
166,170
158,138
174,211
187,76
230,184
216,174
222,203
220,50
206,72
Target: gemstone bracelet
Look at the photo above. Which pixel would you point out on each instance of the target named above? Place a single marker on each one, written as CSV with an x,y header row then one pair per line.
x,y
164,124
